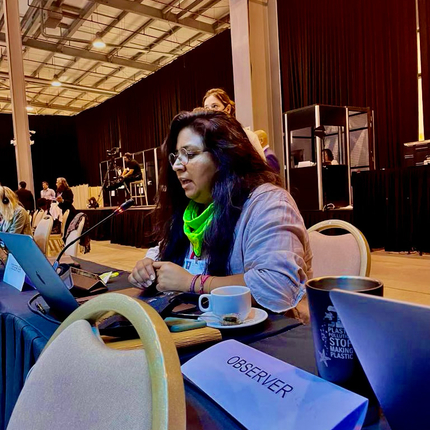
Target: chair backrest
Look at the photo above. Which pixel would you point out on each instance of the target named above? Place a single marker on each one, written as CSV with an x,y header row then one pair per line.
x,y
42,232
73,250
80,383
63,221
37,216
346,254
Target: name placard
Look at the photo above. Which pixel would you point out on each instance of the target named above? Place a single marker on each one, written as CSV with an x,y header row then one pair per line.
x,y
262,392
14,275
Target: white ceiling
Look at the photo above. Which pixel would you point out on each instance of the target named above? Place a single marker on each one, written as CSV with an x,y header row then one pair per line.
x,y
141,37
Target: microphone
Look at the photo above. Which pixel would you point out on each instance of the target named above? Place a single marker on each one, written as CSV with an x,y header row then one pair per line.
x,y
121,208
117,211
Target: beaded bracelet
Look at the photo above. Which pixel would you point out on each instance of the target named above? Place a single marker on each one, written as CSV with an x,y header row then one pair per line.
x,y
193,283
203,279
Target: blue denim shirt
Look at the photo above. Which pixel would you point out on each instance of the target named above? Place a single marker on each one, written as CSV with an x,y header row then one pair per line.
x,y
271,247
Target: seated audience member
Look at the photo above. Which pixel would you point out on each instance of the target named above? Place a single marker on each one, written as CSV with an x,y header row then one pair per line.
x,y
14,217
222,215
25,196
328,158
132,172
92,203
65,200
47,193
43,205
218,99
271,158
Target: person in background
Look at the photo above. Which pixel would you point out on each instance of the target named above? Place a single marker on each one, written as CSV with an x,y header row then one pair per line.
x,y
223,218
64,197
14,217
217,99
271,158
25,196
132,172
328,158
46,192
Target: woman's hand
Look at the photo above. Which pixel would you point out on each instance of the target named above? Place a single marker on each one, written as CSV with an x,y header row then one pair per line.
x,y
170,277
60,199
143,274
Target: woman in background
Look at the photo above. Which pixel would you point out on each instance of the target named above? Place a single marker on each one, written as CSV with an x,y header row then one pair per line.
x,y
13,217
218,99
223,219
64,197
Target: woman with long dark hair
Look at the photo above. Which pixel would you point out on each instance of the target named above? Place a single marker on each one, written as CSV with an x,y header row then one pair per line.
x,y
64,197
222,217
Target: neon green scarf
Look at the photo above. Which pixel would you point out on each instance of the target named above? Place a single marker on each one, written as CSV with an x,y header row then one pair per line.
x,y
195,225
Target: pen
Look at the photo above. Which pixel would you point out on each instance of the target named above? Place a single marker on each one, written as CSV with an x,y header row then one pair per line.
x,y
40,307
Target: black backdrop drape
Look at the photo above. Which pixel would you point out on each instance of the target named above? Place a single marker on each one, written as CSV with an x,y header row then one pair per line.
x,y
424,23
140,116
54,153
354,53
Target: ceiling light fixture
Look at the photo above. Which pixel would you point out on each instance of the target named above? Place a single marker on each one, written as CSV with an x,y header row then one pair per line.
x,y
98,42
55,82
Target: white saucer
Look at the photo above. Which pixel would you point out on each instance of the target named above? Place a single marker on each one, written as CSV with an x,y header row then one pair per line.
x,y
256,316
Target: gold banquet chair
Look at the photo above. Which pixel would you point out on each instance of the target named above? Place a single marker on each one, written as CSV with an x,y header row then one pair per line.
x,y
56,242
42,232
80,383
343,255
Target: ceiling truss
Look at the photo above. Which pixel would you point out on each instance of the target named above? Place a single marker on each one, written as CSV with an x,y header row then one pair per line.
x,y
141,37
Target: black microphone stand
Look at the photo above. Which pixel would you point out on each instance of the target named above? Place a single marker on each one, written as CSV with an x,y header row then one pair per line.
x,y
117,211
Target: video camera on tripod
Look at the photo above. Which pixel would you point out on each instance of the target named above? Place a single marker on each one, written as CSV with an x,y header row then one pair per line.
x,y
113,178
113,152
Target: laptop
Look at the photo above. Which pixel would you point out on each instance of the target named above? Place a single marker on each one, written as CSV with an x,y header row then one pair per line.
x,y
392,342
56,293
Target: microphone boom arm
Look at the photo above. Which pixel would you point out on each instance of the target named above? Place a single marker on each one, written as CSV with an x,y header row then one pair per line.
x,y
117,211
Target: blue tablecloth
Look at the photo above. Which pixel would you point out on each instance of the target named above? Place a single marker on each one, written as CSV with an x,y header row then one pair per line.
x,y
24,335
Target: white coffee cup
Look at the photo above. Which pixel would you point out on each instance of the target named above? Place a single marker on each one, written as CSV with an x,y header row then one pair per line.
x,y
235,299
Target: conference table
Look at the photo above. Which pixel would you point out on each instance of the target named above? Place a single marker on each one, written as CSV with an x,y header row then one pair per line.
x,y
24,335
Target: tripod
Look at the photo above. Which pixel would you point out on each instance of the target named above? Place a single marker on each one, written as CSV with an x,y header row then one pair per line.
x,y
117,180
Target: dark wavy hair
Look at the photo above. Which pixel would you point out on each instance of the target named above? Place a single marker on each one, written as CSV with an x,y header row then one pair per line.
x,y
240,169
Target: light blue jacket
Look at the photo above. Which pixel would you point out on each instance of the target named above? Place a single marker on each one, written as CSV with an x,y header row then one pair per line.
x,y
271,247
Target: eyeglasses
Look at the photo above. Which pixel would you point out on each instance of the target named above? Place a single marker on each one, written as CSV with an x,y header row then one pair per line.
x,y
183,156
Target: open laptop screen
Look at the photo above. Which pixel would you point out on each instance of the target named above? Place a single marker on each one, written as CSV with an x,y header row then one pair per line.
x,y
41,273
392,342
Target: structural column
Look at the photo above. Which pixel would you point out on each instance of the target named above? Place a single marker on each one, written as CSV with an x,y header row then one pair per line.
x,y
256,69
17,89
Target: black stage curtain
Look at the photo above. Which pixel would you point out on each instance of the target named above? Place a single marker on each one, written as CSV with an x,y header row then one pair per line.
x,y
54,153
102,232
312,217
133,228
7,153
392,208
354,53
424,23
139,117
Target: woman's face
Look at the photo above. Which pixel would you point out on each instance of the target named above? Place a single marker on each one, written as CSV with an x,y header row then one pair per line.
x,y
214,103
196,177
